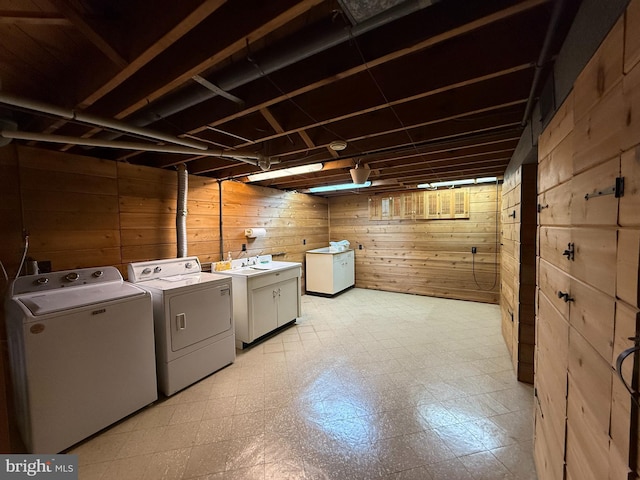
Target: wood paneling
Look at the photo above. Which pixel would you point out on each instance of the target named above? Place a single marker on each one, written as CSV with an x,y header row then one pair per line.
x,y
518,267
602,278
294,222
425,257
50,188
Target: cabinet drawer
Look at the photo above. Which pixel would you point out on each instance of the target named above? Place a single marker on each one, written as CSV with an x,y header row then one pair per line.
x,y
273,277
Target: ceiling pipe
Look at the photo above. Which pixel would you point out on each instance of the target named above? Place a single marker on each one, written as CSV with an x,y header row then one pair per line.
x,y
244,156
543,58
94,120
293,52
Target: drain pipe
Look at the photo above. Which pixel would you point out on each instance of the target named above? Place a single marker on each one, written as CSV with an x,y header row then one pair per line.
x,y
181,210
220,218
7,132
95,120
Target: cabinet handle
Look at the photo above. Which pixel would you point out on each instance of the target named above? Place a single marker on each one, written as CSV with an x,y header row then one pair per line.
x,y
620,360
565,296
570,251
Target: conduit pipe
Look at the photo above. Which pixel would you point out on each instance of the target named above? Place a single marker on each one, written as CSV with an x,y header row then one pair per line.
x,y
293,52
94,120
181,210
543,58
251,158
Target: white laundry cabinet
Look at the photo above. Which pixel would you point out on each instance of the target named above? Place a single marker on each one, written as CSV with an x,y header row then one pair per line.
x,y
329,271
265,298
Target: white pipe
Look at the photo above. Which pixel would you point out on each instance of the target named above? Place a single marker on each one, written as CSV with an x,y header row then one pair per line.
x,y
181,210
95,120
244,156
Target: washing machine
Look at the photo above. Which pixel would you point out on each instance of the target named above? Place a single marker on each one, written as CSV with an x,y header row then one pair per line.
x,y
193,319
81,352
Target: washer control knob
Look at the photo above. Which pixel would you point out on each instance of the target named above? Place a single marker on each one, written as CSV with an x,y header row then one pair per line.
x,y
188,265
98,273
157,269
71,277
146,271
41,281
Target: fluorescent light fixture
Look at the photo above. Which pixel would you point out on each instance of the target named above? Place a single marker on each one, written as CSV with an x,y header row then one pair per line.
x,y
343,186
486,179
285,172
453,183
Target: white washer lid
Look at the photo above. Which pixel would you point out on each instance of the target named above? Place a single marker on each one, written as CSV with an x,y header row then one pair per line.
x,y
42,303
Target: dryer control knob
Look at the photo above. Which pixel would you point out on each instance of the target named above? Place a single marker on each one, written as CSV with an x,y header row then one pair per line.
x,y
188,265
42,281
71,277
157,269
146,271
98,273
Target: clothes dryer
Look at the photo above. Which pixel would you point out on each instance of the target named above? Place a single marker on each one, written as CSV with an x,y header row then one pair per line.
x,y
193,319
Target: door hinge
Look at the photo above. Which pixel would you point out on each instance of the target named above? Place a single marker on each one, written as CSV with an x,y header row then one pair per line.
x,y
616,190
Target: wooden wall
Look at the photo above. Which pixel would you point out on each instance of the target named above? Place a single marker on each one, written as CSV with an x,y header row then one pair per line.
x,y
84,212
424,257
294,222
585,425
518,267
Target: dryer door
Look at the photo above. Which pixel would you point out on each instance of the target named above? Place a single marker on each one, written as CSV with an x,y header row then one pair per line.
x,y
198,315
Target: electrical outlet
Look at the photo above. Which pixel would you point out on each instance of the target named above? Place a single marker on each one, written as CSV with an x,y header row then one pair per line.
x,y
474,249
244,247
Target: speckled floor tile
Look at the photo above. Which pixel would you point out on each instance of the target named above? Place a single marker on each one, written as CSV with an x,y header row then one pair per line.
x,y
365,385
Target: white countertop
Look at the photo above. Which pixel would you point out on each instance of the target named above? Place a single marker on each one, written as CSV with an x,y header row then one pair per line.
x,y
329,250
260,269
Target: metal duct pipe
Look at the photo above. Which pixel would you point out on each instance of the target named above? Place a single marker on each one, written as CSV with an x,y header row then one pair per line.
x,y
181,210
294,52
42,107
244,156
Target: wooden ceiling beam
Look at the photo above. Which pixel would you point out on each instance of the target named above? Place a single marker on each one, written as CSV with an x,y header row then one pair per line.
x,y
381,106
92,30
154,49
162,80
12,17
372,63
268,116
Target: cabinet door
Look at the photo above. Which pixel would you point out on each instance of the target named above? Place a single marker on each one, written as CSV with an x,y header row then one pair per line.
x,y
287,301
349,269
432,209
338,272
264,310
375,208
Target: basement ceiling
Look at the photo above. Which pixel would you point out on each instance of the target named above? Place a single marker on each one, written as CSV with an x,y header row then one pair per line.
x,y
420,90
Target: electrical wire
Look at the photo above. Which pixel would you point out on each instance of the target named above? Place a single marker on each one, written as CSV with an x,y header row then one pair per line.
x,y
298,106
24,255
4,272
389,105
